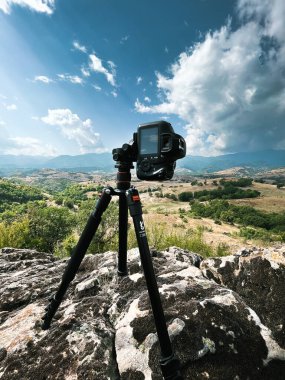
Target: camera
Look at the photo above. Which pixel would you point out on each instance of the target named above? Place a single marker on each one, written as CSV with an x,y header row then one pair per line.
x,y
158,149
155,148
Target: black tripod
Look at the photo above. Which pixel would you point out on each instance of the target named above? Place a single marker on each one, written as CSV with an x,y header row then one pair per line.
x,y
128,199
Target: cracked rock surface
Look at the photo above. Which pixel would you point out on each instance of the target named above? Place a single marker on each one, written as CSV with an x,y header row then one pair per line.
x,y
104,329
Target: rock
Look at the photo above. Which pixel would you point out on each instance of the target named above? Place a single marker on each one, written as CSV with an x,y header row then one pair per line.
x,y
219,326
258,276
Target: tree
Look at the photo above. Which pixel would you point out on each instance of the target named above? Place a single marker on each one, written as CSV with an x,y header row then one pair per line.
x,y
185,196
48,226
15,234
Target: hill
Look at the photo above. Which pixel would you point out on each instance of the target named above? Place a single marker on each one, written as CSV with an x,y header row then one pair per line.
x,y
251,162
256,161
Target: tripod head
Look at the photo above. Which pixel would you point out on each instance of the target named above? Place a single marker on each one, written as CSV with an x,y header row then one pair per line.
x,y
124,158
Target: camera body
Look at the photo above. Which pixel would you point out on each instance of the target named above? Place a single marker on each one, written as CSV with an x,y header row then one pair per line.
x,y
158,149
155,148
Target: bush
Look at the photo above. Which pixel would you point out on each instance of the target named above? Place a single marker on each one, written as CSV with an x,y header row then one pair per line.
x,y
185,196
244,215
15,234
48,226
261,234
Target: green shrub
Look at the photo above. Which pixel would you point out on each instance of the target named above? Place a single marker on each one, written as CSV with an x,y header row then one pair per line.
x,y
15,234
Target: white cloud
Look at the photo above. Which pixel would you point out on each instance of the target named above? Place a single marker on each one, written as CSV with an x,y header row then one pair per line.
x,y
10,107
114,93
43,79
96,65
85,71
139,80
75,79
230,87
96,87
28,146
79,47
72,127
42,6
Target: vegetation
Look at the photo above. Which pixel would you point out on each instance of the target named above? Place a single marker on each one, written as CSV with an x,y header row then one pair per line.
x,y
53,221
28,221
40,227
242,215
241,182
160,237
227,190
75,194
13,193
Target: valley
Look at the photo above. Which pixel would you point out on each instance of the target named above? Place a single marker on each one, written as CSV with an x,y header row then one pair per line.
x,y
169,220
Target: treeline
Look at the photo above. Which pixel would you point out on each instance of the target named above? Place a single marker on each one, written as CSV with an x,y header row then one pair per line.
x,y
241,182
29,219
230,190
11,192
222,210
74,194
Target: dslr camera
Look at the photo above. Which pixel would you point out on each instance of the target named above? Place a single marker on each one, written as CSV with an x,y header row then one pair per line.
x,y
155,148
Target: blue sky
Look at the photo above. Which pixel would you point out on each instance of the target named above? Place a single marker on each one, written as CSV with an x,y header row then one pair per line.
x,y
79,76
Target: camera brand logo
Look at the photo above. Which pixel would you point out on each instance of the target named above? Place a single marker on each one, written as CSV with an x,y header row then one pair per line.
x,y
142,229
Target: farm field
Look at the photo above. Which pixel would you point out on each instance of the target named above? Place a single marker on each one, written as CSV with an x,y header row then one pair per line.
x,y
271,199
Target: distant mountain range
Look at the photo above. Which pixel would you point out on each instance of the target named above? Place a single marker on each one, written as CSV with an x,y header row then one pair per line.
x,y
261,160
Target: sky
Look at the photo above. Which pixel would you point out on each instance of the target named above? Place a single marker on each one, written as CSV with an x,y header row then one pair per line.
x,y
80,76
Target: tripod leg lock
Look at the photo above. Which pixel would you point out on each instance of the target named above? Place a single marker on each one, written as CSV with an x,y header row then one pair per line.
x,y
170,368
134,202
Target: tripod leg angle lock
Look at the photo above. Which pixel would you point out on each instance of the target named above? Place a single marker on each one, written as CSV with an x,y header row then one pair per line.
x,y
128,199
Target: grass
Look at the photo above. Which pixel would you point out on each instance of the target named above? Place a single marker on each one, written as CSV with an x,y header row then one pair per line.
x,y
161,237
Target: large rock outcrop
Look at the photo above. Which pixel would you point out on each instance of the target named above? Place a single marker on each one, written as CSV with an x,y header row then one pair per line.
x,y
225,317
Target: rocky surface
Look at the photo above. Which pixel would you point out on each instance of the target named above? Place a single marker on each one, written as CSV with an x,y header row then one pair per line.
x,y
225,317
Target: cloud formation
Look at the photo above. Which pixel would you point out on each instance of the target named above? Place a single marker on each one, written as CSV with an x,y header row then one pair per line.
x,y
74,79
79,47
42,6
72,127
93,65
230,88
29,146
96,65
43,79
10,107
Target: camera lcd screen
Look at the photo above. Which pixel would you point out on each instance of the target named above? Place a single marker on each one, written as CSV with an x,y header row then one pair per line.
x,y
149,140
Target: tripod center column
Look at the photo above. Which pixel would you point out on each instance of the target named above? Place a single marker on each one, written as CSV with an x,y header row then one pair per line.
x,y
123,177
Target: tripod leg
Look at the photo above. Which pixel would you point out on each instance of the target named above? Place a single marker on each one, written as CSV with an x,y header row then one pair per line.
x,y
77,255
123,235
170,365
